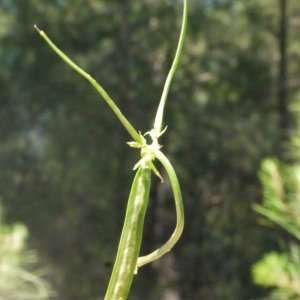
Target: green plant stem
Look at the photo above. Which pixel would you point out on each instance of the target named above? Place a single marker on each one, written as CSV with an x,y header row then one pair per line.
x,y
134,134
131,237
179,214
160,111
127,260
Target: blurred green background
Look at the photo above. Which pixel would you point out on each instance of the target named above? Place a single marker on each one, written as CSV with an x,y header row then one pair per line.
x,y
65,168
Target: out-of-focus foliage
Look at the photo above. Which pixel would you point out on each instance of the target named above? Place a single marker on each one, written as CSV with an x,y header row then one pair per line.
x,y
281,205
281,195
65,168
18,281
280,270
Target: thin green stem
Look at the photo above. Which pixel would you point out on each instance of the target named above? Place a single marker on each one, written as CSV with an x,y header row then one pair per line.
x,y
179,214
130,241
160,111
135,135
131,237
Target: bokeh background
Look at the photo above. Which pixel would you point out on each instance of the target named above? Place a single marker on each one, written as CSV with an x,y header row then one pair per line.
x,y
65,167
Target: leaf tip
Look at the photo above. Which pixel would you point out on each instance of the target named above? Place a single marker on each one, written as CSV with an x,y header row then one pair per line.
x,y
36,28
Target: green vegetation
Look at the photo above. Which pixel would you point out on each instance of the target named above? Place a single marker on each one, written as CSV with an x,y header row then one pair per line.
x,y
18,281
128,261
65,171
281,205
